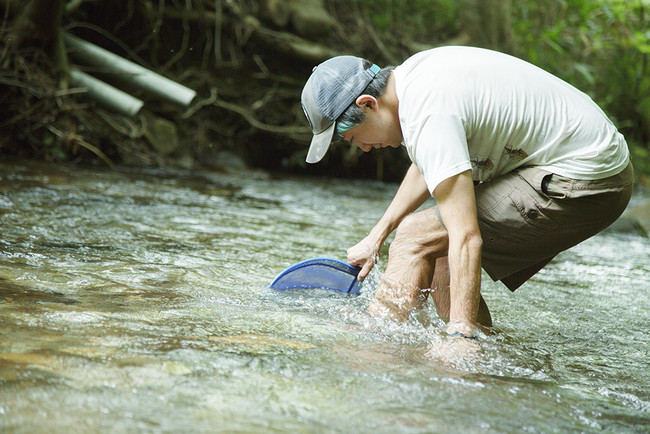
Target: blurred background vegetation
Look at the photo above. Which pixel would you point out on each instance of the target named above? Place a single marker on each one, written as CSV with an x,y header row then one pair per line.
x,y
247,60
600,46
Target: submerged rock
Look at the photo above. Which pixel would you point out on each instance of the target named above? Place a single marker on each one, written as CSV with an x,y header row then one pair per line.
x,y
627,225
641,213
635,220
259,344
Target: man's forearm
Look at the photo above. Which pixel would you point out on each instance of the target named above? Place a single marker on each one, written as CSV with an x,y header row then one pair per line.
x,y
465,284
412,193
457,207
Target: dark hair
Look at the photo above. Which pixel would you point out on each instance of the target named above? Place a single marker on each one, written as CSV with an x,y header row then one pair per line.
x,y
353,115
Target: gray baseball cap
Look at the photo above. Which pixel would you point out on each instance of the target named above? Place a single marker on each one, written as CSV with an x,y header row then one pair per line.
x,y
331,88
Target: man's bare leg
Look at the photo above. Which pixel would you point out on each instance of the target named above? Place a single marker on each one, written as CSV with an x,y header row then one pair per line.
x,y
419,240
440,294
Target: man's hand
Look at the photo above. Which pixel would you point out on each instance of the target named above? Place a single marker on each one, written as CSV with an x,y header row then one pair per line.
x,y
365,255
454,351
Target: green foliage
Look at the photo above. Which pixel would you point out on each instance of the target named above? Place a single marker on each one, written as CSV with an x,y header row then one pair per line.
x,y
640,159
425,21
601,47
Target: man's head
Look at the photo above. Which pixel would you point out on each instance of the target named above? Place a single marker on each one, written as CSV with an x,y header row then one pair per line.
x,y
330,98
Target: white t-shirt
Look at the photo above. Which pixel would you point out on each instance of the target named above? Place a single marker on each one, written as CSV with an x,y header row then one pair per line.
x,y
463,108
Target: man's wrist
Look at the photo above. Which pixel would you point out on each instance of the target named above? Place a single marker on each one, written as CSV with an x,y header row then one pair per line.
x,y
381,231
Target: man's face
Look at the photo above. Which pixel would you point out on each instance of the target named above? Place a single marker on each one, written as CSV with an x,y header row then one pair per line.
x,y
378,130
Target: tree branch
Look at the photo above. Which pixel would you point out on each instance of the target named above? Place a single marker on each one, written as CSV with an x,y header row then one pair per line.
x,y
275,129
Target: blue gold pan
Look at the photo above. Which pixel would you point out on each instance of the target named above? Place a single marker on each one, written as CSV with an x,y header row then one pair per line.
x,y
322,273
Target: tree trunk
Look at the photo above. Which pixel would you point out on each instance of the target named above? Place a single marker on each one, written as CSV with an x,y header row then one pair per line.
x,y
488,23
38,24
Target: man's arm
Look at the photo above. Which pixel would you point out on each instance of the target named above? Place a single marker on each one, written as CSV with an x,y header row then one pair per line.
x,y
457,205
412,193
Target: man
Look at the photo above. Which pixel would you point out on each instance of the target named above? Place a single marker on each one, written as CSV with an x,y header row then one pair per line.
x,y
521,164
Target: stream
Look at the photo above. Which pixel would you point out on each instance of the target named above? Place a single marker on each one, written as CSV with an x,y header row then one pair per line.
x,y
136,300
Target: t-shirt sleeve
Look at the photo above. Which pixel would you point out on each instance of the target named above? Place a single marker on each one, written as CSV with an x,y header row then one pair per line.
x,y
439,148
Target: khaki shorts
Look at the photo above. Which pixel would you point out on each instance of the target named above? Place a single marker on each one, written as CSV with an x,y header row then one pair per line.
x,y
528,216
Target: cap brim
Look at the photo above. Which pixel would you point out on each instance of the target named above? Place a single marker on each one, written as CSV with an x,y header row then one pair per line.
x,y
320,143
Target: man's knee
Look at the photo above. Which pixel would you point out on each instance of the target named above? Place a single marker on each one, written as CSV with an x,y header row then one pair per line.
x,y
420,234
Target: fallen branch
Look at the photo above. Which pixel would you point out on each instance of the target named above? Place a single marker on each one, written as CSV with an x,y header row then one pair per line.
x,y
291,45
201,103
285,43
37,92
24,114
275,129
123,125
74,138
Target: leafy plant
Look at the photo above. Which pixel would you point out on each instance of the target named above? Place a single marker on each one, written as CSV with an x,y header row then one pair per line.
x,y
601,47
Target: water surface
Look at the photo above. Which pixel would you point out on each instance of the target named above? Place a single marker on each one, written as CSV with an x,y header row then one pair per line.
x,y
136,301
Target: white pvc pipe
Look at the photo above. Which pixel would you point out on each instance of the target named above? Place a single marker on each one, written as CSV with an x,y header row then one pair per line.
x,y
135,74
106,94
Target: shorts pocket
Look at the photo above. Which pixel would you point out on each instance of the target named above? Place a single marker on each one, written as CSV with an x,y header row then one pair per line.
x,y
534,208
556,186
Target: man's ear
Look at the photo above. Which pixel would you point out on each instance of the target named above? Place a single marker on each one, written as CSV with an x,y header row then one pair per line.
x,y
366,101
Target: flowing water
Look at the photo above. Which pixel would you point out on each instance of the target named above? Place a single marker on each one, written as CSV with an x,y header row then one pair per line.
x,y
136,301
